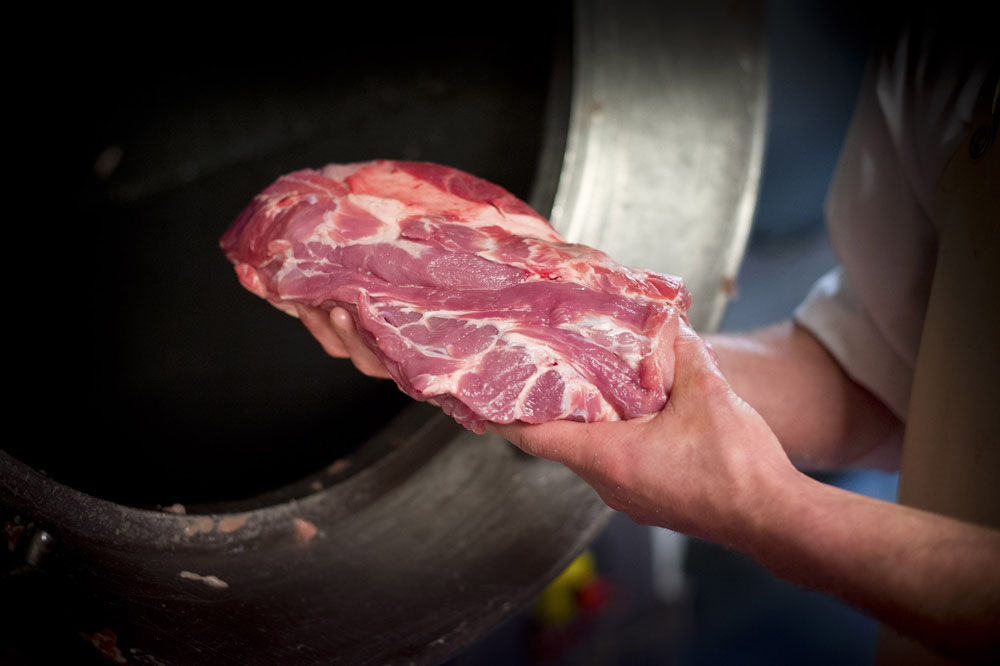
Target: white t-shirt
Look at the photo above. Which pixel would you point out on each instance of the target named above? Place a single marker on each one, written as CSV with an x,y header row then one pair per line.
x,y
883,209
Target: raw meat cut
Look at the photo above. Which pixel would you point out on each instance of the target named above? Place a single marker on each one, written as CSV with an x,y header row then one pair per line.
x,y
470,298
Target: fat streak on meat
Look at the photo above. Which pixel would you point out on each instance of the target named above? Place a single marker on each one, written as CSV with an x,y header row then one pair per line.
x,y
469,297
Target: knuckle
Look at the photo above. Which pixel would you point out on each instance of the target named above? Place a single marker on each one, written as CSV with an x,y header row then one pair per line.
x,y
703,377
614,468
709,382
362,366
617,499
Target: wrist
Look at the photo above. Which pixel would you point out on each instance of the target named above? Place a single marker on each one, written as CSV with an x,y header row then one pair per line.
x,y
778,499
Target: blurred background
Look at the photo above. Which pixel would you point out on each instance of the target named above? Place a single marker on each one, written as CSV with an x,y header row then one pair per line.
x,y
135,149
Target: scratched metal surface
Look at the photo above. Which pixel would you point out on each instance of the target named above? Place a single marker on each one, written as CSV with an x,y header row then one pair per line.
x,y
666,136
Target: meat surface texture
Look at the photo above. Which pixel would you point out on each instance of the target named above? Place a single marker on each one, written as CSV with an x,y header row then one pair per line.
x,y
470,298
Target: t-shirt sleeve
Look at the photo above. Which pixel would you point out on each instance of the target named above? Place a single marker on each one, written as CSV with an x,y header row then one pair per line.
x,y
833,313
883,210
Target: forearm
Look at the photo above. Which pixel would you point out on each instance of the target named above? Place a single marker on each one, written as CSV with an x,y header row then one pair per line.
x,y
823,419
928,576
709,466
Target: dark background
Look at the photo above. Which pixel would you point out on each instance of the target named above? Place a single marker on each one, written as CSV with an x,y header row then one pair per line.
x,y
152,376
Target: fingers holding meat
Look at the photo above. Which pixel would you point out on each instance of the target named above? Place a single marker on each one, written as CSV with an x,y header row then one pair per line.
x,y
317,320
362,357
336,332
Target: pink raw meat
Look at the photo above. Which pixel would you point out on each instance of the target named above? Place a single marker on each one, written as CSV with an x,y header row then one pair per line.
x,y
469,297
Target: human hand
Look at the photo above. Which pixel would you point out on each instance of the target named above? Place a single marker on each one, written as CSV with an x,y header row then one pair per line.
x,y
699,466
340,338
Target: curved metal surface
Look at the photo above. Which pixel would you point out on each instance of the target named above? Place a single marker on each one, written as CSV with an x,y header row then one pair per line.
x,y
434,542
666,139
406,561
427,537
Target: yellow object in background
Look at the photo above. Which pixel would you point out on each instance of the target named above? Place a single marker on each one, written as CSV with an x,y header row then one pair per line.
x,y
559,602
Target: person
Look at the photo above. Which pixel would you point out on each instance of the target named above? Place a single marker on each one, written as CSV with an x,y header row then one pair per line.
x,y
890,363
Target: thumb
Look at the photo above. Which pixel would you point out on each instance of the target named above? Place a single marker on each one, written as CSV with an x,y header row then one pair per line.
x,y
552,440
576,445
695,366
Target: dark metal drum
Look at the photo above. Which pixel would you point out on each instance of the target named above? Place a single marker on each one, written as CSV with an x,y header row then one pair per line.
x,y
207,486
